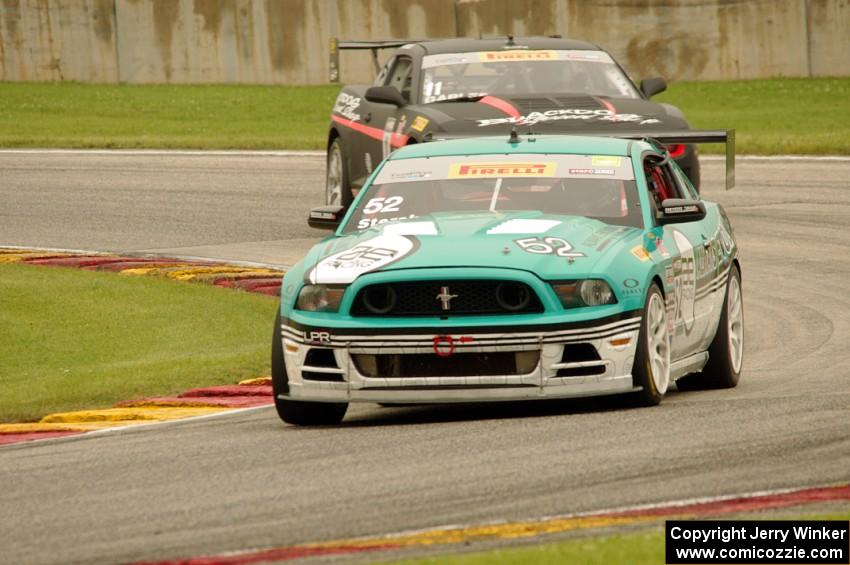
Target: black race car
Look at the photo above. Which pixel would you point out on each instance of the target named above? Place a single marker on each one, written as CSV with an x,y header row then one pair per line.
x,y
450,88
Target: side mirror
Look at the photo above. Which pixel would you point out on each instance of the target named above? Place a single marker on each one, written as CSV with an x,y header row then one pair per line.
x,y
652,86
680,211
385,95
326,217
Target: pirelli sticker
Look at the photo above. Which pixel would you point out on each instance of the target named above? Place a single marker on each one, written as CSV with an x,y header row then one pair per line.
x,y
502,170
517,55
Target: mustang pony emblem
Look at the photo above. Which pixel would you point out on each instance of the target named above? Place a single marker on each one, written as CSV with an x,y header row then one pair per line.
x,y
445,298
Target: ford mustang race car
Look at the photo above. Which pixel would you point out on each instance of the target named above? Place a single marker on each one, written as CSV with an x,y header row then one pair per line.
x,y
509,269
450,88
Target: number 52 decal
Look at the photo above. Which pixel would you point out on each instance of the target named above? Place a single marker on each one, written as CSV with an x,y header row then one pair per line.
x,y
548,246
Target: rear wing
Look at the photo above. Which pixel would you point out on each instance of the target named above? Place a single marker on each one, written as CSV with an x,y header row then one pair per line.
x,y
726,136
373,46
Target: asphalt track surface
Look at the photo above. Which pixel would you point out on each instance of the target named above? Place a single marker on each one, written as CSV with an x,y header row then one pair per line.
x,y
248,481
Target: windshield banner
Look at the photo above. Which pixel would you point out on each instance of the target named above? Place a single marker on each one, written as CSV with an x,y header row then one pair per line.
x,y
506,166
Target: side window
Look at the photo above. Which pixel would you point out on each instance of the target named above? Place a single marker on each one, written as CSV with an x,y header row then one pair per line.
x,y
380,80
400,76
659,181
687,189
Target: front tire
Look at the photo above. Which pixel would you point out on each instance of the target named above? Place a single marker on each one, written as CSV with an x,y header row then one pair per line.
x,y
298,412
651,371
337,187
726,352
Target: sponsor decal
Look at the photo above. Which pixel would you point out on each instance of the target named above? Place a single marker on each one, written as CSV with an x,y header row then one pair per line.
x,y
605,161
386,139
402,121
367,160
684,284
369,255
582,114
444,345
592,171
419,124
317,336
631,287
493,56
496,170
346,105
681,209
639,252
411,175
549,246
653,242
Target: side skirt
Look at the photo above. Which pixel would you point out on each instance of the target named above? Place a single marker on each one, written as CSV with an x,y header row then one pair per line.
x,y
690,364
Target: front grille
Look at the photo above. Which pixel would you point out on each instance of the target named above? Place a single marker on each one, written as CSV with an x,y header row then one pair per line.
x,y
449,298
412,365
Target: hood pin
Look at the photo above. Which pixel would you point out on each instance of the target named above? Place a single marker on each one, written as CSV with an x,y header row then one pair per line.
x,y
506,251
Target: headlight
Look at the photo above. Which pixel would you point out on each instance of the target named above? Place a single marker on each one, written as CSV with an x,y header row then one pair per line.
x,y
590,292
319,298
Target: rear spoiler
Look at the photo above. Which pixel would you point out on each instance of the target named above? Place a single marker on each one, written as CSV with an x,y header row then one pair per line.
x,y
662,138
374,46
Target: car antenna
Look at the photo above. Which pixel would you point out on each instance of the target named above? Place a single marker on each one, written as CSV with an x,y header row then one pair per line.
x,y
514,137
510,42
531,133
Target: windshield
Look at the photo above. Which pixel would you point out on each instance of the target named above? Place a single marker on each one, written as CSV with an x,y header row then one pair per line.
x,y
463,75
596,186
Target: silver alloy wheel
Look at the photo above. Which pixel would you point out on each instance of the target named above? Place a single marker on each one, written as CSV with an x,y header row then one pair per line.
x,y
735,317
333,183
658,342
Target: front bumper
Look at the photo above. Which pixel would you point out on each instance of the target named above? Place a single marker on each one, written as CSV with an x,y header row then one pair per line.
x,y
556,374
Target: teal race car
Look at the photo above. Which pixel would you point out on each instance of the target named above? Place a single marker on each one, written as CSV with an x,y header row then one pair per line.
x,y
512,268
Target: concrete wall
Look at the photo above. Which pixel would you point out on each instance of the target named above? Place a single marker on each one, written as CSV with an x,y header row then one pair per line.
x,y
287,41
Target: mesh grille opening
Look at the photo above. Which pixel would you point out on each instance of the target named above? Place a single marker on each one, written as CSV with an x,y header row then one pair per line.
x,y
321,358
412,365
579,353
446,298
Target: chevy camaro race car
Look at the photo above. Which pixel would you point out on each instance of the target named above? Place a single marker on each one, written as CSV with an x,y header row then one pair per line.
x,y
450,88
509,269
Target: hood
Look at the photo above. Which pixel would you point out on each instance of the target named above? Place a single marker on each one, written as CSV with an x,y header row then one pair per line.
x,y
552,114
552,247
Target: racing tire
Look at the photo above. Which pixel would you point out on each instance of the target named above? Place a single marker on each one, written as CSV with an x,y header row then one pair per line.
x,y
726,352
337,187
651,370
298,412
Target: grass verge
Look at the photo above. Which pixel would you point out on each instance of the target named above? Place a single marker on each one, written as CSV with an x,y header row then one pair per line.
x,y
644,547
72,339
771,116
